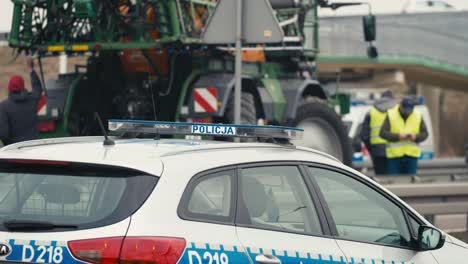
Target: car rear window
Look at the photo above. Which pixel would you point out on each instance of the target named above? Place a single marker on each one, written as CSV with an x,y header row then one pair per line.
x,y
82,195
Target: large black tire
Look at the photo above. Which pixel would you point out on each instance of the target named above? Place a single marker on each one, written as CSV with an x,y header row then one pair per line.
x,y
248,110
81,124
324,129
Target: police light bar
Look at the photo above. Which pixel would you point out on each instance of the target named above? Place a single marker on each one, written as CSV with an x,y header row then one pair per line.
x,y
221,130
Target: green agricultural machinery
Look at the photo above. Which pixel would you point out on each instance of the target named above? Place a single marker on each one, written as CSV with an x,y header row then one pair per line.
x,y
146,60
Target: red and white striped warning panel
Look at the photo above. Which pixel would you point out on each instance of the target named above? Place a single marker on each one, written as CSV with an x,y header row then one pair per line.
x,y
206,100
42,106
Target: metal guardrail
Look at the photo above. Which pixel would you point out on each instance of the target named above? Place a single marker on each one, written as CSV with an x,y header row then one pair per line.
x,y
449,176
431,199
440,163
437,170
440,189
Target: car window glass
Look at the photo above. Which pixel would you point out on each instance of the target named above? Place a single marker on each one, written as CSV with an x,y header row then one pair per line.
x,y
361,213
276,197
82,195
212,196
414,225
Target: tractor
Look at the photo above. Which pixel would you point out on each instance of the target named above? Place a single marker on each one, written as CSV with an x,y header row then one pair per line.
x,y
146,60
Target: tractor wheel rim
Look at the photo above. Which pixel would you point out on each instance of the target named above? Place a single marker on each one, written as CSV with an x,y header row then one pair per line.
x,y
320,135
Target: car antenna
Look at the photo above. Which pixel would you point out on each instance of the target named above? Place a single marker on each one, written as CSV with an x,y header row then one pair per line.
x,y
107,140
157,136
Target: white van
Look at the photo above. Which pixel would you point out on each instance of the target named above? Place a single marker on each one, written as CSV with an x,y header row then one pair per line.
x,y
354,121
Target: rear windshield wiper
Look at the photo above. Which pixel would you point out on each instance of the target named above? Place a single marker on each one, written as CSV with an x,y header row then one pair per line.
x,y
30,225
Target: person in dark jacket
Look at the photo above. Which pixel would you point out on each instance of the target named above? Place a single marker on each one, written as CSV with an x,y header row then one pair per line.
x,y
404,128
18,113
370,132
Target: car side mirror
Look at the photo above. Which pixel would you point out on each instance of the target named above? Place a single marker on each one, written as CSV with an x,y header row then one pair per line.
x,y
430,238
369,27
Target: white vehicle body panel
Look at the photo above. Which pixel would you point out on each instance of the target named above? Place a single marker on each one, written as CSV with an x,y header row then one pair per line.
x,y
91,151
360,253
290,248
34,247
176,162
203,239
451,253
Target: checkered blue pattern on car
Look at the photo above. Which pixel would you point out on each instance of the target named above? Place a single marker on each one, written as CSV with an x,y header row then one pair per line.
x,y
201,253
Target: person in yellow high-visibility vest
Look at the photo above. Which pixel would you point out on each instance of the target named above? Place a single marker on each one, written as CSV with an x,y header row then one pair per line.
x,y
404,128
370,132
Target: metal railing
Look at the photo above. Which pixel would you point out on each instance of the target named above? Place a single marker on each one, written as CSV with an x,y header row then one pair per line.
x,y
452,175
440,189
436,170
432,199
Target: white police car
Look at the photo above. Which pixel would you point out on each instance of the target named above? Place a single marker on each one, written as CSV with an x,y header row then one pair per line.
x,y
186,201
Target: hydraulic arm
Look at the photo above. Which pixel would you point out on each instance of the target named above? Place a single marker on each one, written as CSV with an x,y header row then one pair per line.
x,y
94,25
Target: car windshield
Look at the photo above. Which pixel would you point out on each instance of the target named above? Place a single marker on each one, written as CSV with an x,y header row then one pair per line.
x,y
76,195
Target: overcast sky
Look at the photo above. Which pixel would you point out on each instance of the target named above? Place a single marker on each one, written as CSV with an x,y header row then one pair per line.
x,y
378,7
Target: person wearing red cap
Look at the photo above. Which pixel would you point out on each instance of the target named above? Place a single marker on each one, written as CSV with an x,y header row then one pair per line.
x,y
18,113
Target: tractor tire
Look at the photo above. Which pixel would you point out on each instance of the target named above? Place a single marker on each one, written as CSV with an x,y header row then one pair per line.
x,y
323,129
82,124
248,110
248,113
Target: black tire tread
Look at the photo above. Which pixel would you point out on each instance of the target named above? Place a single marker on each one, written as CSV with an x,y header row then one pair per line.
x,y
313,106
248,109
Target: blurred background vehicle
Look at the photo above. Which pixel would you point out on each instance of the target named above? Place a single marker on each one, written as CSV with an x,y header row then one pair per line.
x,y
148,61
425,6
380,7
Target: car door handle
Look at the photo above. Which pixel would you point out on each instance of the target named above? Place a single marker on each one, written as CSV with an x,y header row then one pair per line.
x,y
267,259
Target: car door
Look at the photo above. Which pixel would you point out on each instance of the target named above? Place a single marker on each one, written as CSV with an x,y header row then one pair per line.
x,y
278,220
369,226
208,208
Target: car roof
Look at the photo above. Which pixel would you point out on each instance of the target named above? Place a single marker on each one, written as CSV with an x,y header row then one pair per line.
x,y
147,154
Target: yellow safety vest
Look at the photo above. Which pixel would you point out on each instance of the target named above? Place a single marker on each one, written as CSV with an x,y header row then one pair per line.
x,y
377,119
399,126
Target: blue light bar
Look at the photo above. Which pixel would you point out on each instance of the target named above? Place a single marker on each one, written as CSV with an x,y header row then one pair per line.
x,y
221,130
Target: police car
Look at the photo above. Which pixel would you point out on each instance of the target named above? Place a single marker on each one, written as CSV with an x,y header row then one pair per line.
x,y
77,200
